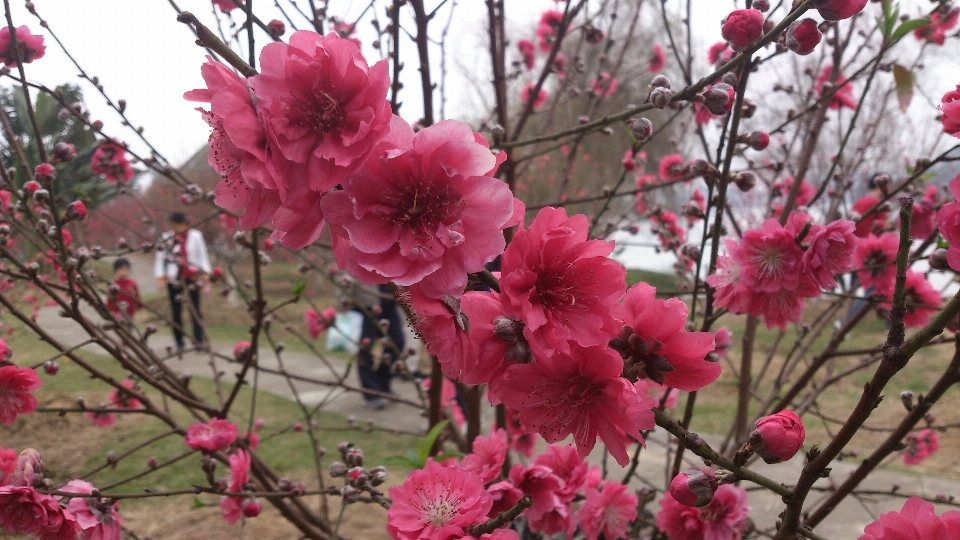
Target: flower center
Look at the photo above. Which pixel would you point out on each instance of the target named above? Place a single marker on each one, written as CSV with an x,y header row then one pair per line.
x,y
421,208
439,513
641,358
319,111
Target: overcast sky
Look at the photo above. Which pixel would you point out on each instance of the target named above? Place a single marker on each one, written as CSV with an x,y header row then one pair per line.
x,y
141,54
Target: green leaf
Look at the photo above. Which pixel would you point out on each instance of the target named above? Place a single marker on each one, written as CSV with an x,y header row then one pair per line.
x,y
903,79
428,441
299,285
907,27
400,461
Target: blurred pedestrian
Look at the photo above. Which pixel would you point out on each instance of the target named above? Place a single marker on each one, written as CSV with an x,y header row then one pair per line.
x,y
182,266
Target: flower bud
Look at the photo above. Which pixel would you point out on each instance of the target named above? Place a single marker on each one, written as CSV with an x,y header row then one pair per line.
x,y
354,457
641,129
240,349
660,81
45,173
628,163
64,151
938,260
660,97
758,140
350,494
208,464
76,211
284,484
802,37
745,180
251,508
31,187
777,437
357,477
337,469
29,469
276,28
718,99
837,10
51,367
742,27
693,487
761,5
378,475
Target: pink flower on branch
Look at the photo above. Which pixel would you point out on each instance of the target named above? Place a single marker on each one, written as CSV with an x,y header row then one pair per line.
x,y
607,511
561,285
917,520
920,446
30,46
16,385
97,518
488,456
950,110
526,95
723,519
875,258
580,393
842,90
830,252
23,510
110,160
923,300
426,211
657,60
217,434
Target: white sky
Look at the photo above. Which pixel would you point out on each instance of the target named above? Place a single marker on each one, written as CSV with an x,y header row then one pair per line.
x,y
141,54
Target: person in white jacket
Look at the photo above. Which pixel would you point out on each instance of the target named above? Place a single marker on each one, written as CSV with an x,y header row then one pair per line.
x,y
182,265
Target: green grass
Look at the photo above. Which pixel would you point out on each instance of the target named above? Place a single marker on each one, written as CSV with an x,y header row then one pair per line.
x,y
663,282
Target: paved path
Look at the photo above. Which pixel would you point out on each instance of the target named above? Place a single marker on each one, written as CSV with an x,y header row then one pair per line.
x,y
846,522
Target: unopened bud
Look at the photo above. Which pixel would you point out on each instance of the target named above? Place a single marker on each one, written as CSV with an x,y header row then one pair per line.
x,y
337,469
660,97
641,129
777,437
693,487
745,180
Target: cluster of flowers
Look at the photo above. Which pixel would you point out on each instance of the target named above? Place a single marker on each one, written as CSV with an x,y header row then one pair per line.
x,y
110,160
557,345
16,387
25,510
450,499
317,323
773,269
921,446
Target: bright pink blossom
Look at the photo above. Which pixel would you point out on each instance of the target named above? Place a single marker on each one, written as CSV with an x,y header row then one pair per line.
x,y
843,91
720,52
837,10
742,27
487,457
723,339
830,252
561,285
940,24
526,93
723,519
805,192
16,385
778,437
948,222
98,518
437,502
527,49
548,28
604,85
110,160
505,496
125,400
920,446
785,305
217,434
654,390
8,464
875,257
657,60
318,323
101,418
671,167
550,513
916,521
428,213
923,300
29,469
232,507
239,151
693,487
567,463
226,5
23,510
950,110
579,394
656,346
607,511
924,220
30,46
770,258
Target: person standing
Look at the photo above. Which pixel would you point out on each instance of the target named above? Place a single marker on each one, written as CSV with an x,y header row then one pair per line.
x,y
182,266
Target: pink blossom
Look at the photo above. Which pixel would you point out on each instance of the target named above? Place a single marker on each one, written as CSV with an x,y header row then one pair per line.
x,y
783,306
559,65
522,440
671,167
318,323
778,437
830,252
30,46
101,418
723,339
110,160
8,464
917,520
125,400
239,150
655,344
924,219
550,513
437,502
16,385
23,510
843,91
723,519
561,285
448,400
948,222
98,519
805,192
654,390
579,393
226,5
527,49
742,27
548,28
657,60
720,52
923,300
876,256
29,469
527,91
487,456
836,10
729,292
693,487
940,24
565,462
950,110
920,446
232,507
505,496
217,434
802,37
607,511
770,258
428,213
604,85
